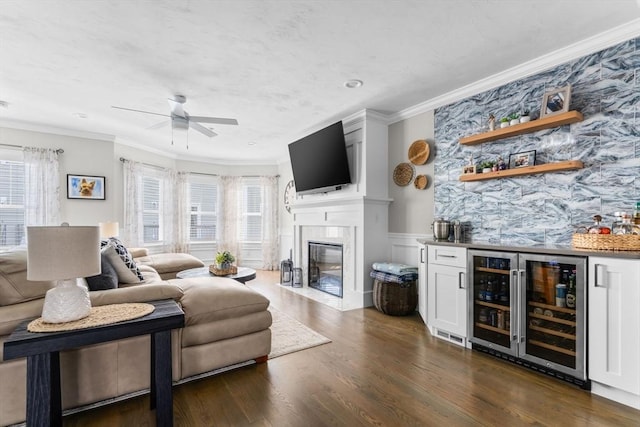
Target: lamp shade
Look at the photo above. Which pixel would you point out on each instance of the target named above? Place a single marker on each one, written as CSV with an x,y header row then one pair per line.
x,y
63,252
109,229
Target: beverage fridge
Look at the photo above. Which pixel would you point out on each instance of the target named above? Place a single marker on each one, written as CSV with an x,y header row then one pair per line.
x,y
530,309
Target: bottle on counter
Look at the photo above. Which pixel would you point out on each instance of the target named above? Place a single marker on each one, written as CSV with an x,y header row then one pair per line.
x,y
597,227
617,221
624,226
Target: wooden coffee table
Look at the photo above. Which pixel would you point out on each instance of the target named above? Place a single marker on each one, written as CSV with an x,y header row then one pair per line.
x,y
243,275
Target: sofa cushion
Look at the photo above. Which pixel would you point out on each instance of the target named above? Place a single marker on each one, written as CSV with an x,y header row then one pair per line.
x,y
136,293
207,299
107,279
14,286
168,264
124,255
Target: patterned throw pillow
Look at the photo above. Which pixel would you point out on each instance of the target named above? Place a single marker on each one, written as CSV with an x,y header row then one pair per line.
x,y
124,255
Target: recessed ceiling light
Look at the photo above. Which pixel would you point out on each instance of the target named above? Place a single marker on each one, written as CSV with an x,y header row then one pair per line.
x,y
251,143
353,83
4,104
80,115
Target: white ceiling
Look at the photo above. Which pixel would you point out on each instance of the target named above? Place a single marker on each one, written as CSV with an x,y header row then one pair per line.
x,y
277,66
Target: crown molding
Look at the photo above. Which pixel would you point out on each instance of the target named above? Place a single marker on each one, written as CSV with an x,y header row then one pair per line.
x,y
34,127
584,47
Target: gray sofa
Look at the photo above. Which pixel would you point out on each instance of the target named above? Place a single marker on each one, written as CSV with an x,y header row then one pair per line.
x,y
225,323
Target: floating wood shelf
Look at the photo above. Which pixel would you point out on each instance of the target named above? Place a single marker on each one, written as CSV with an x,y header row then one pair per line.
x,y
527,170
522,128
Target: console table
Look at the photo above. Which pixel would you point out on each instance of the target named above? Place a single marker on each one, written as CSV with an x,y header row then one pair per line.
x,y
42,351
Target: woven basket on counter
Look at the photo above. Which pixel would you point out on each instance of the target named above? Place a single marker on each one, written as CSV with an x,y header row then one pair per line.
x,y
609,242
223,271
395,299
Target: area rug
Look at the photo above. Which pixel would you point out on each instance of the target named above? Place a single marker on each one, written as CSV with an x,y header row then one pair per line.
x,y
288,335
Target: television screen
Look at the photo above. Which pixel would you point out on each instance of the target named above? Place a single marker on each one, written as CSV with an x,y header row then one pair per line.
x,y
319,161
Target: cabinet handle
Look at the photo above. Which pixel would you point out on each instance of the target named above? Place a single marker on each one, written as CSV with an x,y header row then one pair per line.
x,y
461,280
523,314
421,255
446,256
598,269
513,289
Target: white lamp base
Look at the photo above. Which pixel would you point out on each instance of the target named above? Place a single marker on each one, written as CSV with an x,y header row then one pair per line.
x,y
66,302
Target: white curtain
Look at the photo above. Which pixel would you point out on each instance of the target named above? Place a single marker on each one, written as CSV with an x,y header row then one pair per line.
x,y
176,211
270,242
42,186
230,220
131,232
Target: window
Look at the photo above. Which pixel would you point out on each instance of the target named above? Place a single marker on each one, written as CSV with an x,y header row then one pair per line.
x,y
151,214
251,212
11,203
203,200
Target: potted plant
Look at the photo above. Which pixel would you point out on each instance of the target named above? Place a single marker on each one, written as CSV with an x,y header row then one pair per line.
x,y
224,259
504,122
486,166
525,116
514,118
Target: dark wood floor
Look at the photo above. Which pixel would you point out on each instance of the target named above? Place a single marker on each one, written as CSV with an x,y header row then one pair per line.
x,y
378,371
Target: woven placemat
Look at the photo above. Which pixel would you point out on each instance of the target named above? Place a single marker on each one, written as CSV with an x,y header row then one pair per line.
x,y
102,315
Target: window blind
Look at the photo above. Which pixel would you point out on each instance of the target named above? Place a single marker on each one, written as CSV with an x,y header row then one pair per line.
x,y
11,203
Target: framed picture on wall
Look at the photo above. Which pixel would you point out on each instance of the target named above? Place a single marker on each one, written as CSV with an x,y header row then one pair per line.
x,y
556,101
86,187
521,160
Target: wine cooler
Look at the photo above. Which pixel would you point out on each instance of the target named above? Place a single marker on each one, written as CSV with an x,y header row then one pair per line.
x,y
530,309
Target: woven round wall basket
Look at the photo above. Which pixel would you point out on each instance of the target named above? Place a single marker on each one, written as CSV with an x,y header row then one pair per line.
x,y
403,174
606,242
395,299
419,152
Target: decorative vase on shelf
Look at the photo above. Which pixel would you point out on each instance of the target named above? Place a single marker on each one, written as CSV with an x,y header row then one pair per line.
x,y
514,122
525,119
504,124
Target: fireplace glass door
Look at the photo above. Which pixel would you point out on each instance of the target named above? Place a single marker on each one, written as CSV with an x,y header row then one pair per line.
x,y
325,267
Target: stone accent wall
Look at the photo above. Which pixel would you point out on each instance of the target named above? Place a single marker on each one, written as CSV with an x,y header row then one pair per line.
x,y
545,208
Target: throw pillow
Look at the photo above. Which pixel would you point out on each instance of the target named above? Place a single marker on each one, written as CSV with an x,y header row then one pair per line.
x,y
124,273
125,255
108,279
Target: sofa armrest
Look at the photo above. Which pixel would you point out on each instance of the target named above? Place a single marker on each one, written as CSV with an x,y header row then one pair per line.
x,y
138,252
14,314
137,293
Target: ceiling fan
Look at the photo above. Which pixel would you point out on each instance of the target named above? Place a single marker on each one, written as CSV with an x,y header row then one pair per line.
x,y
180,119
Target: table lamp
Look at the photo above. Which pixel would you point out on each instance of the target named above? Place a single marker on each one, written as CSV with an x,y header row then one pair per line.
x,y
63,253
109,229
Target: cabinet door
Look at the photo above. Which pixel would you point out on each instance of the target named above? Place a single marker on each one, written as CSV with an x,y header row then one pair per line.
x,y
614,322
422,282
447,298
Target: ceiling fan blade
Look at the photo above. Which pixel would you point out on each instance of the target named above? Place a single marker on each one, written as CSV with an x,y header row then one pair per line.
x,y
139,111
215,120
159,125
202,129
176,108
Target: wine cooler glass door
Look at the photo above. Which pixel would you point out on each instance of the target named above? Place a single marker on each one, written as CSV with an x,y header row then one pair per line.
x,y
492,297
552,312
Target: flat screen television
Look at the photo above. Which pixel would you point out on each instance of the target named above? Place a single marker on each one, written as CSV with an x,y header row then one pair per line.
x,y
319,161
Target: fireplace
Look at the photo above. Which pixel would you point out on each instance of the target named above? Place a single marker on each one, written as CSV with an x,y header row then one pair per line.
x,y
325,267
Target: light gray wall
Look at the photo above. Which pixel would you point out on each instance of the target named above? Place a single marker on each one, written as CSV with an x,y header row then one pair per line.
x,y
411,210
82,156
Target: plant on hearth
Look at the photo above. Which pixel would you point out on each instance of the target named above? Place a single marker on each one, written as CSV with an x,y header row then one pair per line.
x,y
224,258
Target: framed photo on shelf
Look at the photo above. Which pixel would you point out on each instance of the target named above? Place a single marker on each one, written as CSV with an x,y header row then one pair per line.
x,y
86,187
521,160
468,169
556,101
